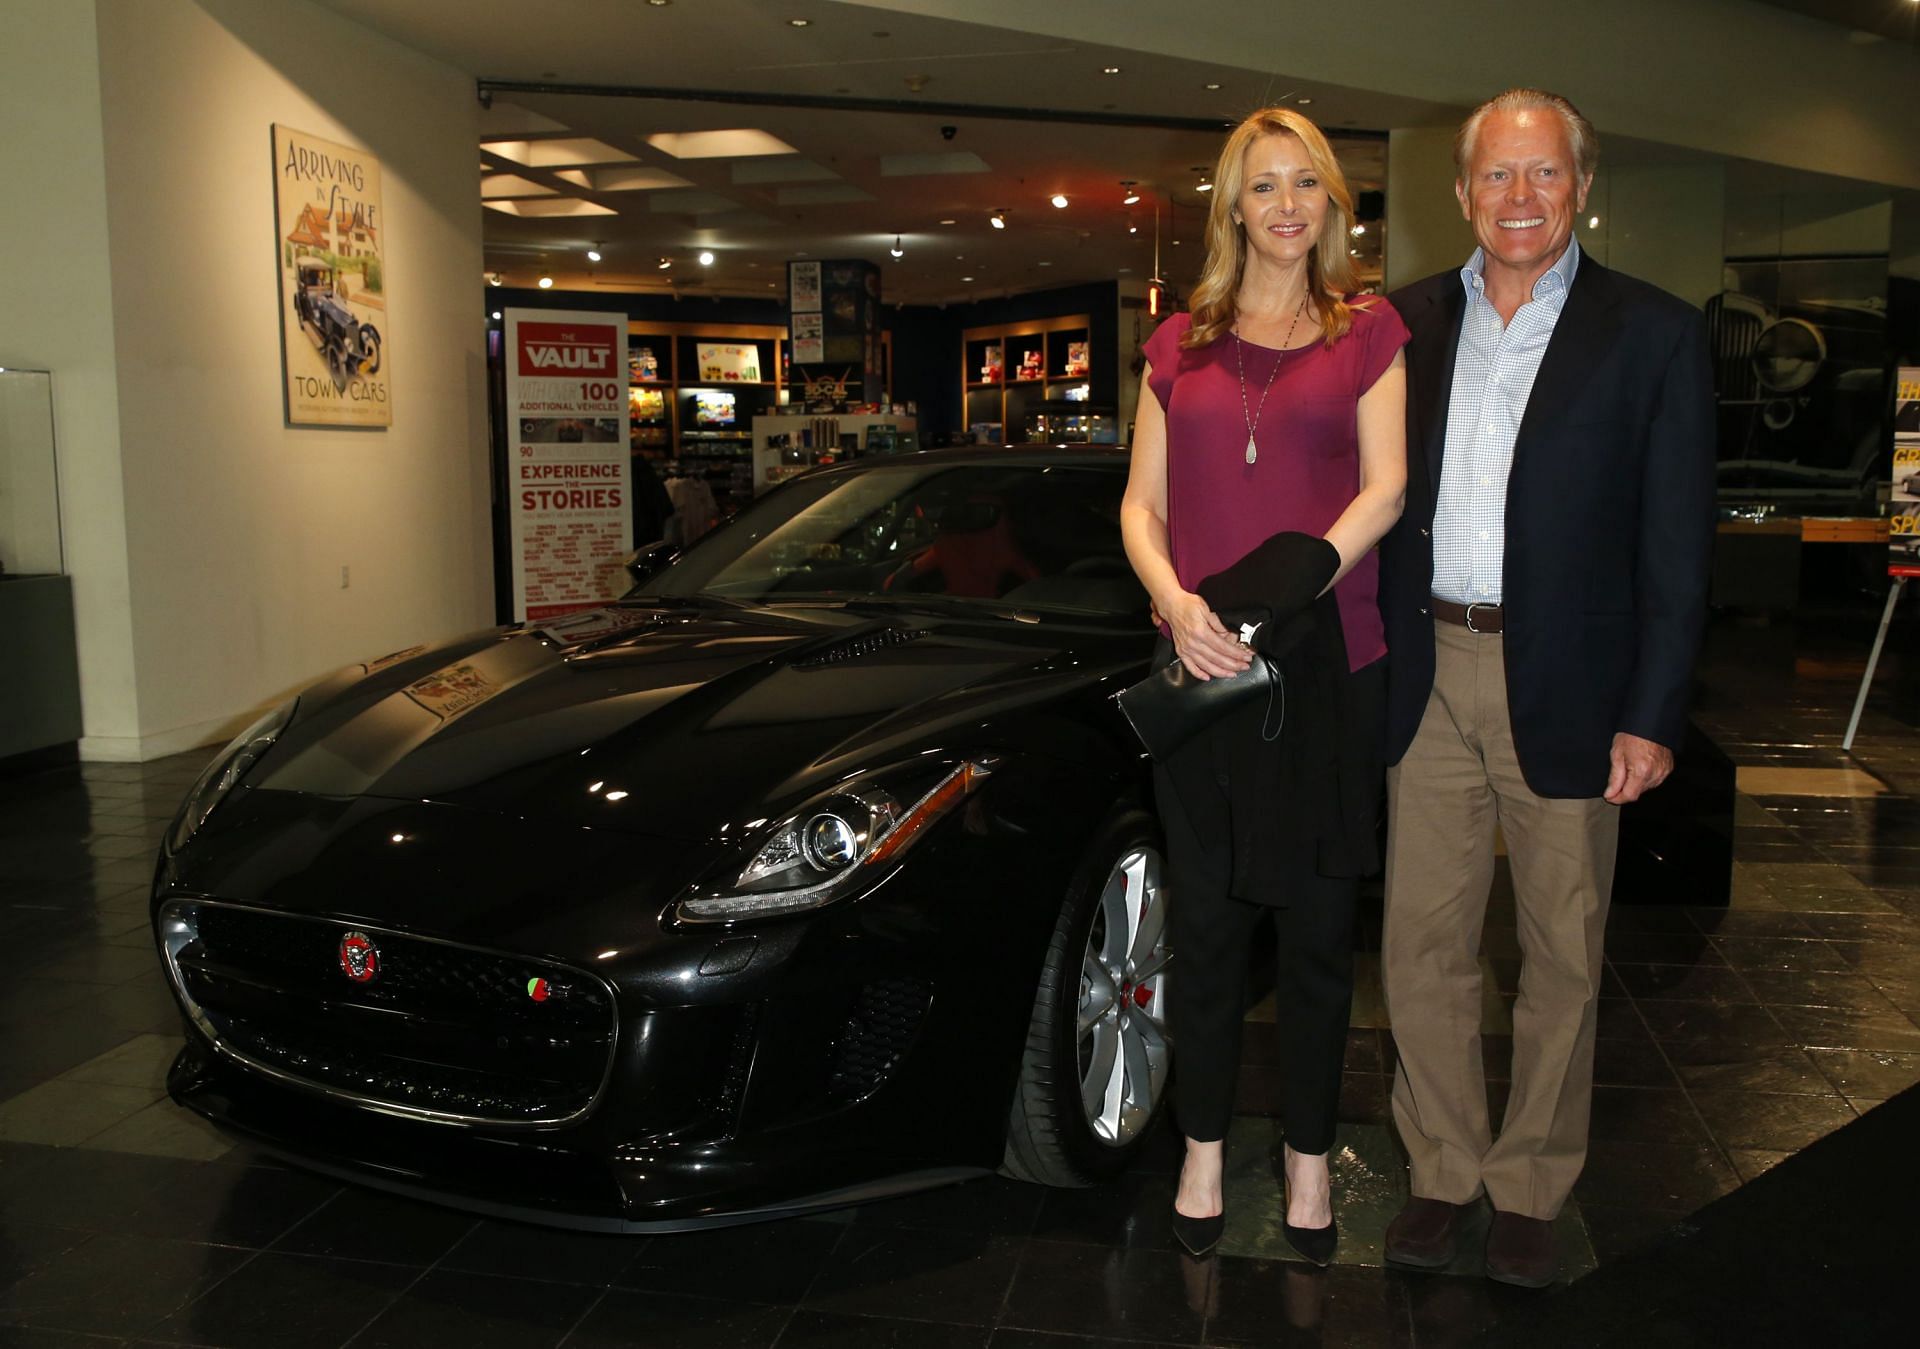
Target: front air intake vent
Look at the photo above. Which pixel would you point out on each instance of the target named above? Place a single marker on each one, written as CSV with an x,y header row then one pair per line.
x,y
853,648
877,1032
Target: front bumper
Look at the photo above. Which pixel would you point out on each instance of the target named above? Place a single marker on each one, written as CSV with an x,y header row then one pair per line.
x,y
528,1179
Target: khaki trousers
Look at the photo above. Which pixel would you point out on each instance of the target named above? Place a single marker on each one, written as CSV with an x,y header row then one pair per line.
x,y
1458,780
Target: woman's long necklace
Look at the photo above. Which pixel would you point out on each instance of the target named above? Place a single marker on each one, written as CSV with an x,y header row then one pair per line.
x,y
1252,417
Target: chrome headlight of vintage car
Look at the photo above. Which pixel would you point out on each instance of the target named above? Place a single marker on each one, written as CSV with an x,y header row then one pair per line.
x,y
840,841
224,773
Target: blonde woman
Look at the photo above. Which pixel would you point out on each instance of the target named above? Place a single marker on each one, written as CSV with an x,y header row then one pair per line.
x,y
1269,458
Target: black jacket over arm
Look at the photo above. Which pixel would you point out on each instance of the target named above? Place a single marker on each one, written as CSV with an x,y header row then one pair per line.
x,y
1609,525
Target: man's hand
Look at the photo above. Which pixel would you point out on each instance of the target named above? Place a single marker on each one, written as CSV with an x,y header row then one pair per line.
x,y
1638,767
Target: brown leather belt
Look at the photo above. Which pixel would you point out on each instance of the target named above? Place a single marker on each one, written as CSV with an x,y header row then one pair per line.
x,y
1480,618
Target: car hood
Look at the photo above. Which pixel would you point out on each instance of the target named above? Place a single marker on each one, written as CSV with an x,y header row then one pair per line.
x,y
692,722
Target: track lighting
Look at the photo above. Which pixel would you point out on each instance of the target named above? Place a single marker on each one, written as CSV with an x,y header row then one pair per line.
x,y
897,250
706,258
1059,200
593,255
546,282
1133,192
664,264
495,279
998,220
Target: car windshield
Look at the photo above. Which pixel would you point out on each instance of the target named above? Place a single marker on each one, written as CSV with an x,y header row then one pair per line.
x,y
982,536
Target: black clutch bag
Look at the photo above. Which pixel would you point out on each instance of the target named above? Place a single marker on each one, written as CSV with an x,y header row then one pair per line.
x,y
1170,706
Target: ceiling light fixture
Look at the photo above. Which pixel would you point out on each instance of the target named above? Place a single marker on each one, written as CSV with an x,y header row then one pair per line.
x,y
495,279
546,283
949,222
1133,193
659,4
1211,85
593,255
799,23
1205,186
998,220
966,278
1304,101
1357,231
896,250
1593,221
1059,200
496,316
664,264
706,257
1110,70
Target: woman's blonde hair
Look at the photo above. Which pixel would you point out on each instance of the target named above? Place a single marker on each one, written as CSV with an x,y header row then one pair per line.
x,y
1330,276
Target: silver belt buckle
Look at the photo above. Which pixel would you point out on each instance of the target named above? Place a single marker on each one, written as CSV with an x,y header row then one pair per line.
x,y
1471,608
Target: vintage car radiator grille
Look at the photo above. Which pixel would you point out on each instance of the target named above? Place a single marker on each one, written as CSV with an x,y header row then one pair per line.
x,y
438,1030
878,1029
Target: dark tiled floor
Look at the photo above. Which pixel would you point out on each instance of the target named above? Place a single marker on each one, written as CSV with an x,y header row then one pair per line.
x,y
1729,1040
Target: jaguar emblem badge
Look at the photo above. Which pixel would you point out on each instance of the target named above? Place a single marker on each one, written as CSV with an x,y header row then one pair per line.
x,y
359,957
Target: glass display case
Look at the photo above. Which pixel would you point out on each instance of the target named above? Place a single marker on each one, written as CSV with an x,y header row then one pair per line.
x,y
29,485
38,667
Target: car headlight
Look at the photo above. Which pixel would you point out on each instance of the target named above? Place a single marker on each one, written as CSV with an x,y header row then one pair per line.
x,y
224,773
838,843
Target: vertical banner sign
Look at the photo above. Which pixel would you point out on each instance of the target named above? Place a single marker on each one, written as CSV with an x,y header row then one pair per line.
x,y
1903,534
332,241
569,482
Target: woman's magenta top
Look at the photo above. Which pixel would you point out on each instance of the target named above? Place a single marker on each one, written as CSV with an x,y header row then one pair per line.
x,y
1307,470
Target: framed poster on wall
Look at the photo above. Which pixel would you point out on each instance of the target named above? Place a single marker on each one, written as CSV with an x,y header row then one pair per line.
x,y
331,237
803,286
1903,529
568,474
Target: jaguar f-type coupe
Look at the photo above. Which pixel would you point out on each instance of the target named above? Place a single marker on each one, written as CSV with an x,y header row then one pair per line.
x,y
819,868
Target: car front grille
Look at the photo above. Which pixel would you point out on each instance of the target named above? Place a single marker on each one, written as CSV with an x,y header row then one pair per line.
x,y
439,1030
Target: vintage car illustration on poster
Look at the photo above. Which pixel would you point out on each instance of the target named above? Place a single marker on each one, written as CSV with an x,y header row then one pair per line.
x,y
350,347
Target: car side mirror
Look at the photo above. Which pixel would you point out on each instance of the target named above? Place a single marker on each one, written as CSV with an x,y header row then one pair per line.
x,y
643,564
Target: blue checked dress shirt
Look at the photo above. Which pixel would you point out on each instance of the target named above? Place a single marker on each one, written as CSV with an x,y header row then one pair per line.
x,y
1493,374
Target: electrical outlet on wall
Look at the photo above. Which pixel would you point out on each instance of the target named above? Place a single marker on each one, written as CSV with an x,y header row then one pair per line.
x,y
345,579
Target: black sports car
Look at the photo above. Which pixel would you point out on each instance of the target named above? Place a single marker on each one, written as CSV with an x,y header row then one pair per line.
x,y
818,868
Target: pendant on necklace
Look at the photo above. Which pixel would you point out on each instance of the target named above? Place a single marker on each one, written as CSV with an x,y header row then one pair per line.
x,y
1252,453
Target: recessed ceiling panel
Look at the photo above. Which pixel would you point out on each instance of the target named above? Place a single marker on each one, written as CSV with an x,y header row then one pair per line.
x,y
781,171
633,178
692,202
513,185
553,154
736,144
820,194
510,119
914,166
549,207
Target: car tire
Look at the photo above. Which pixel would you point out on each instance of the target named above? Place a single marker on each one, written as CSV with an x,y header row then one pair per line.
x,y
1097,1056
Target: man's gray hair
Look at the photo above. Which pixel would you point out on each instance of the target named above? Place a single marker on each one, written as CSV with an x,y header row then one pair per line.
x,y
1582,139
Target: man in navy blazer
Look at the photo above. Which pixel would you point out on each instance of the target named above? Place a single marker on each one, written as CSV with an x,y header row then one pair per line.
x,y
1543,593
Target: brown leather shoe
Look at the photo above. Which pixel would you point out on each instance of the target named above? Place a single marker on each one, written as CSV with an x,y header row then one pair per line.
x,y
1520,1251
1422,1235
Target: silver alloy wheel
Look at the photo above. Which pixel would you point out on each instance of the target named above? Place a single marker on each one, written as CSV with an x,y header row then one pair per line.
x,y
1122,1028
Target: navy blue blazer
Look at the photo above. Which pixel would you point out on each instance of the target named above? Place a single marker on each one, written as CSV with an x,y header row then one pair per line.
x,y
1609,521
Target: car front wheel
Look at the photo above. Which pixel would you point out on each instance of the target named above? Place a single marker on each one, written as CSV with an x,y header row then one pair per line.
x,y
1097,1053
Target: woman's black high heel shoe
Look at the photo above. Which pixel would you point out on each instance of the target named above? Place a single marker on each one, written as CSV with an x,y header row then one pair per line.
x,y
1314,1244
1198,1235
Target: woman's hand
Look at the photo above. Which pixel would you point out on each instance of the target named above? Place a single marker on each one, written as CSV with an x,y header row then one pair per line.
x,y
1201,642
